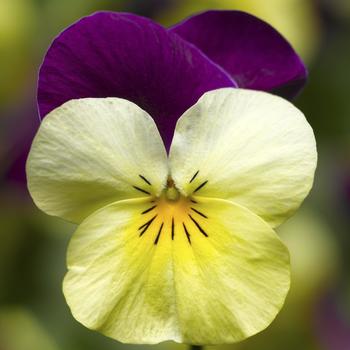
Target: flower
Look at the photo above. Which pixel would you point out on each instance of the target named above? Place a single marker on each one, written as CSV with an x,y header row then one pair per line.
x,y
165,71
181,246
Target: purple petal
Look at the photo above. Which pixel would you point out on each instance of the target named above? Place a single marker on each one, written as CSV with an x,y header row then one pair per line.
x,y
253,52
128,56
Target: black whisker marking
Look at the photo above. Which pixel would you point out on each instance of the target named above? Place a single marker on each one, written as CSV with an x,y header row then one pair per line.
x,y
187,234
148,210
200,186
141,190
198,226
194,176
158,235
172,229
147,223
144,230
193,201
144,179
200,213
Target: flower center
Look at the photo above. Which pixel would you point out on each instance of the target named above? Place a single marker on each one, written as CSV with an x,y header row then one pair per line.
x,y
172,214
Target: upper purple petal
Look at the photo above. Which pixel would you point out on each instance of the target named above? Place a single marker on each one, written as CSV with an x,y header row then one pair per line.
x,y
252,51
124,55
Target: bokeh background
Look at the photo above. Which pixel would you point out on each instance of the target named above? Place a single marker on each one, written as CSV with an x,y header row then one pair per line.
x,y
33,313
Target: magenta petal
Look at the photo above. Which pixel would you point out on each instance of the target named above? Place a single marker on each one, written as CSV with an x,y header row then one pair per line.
x,y
128,56
253,52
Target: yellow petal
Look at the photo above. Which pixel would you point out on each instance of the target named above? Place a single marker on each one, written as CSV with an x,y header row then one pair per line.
x,y
250,147
204,271
91,152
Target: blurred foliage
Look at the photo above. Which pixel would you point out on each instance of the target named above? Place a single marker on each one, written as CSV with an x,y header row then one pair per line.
x,y
20,330
314,256
339,8
33,312
328,88
17,28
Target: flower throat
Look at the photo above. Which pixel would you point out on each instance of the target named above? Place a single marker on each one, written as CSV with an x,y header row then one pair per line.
x,y
172,213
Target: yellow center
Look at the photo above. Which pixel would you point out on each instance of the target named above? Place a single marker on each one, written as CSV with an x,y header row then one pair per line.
x,y
175,206
172,213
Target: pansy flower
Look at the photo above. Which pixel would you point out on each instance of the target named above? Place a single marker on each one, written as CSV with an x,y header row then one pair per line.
x,y
176,197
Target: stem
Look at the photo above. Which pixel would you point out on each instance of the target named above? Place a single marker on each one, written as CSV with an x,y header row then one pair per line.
x,y
196,347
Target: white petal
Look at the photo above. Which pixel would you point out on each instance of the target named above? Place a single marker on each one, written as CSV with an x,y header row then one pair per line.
x,y
91,152
252,148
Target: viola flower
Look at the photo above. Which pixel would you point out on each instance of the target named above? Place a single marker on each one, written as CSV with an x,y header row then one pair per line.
x,y
181,246
175,238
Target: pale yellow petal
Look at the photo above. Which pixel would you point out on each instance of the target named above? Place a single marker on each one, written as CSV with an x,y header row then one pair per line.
x,y
118,282
91,152
250,147
203,273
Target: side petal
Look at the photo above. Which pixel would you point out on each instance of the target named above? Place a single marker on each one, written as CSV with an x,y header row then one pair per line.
x,y
252,51
91,152
146,288
249,147
112,54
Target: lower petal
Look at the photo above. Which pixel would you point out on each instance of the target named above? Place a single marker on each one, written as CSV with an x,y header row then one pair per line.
x,y
200,272
119,282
